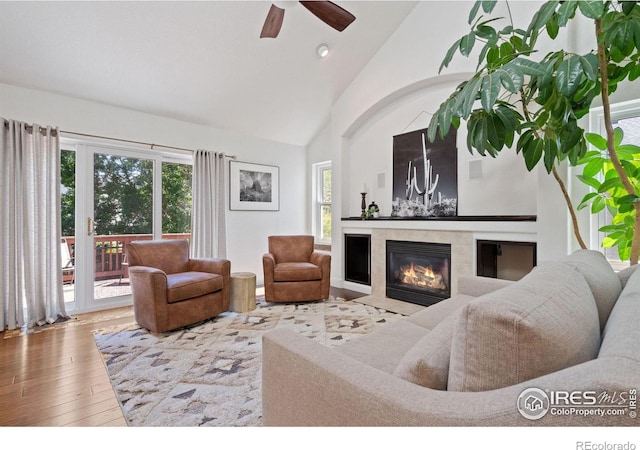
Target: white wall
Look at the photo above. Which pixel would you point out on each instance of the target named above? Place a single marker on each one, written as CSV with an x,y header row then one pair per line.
x,y
247,231
505,188
397,89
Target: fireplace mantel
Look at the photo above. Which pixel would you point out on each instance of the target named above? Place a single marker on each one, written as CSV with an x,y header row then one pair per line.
x,y
451,219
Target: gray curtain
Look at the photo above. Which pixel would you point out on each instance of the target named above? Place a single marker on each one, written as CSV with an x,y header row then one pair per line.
x,y
208,225
31,272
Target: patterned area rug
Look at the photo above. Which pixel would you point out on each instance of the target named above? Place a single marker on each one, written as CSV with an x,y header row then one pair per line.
x,y
209,374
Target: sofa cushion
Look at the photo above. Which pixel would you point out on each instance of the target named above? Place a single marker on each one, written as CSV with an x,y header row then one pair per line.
x,y
186,285
544,323
427,362
432,315
296,271
384,347
601,278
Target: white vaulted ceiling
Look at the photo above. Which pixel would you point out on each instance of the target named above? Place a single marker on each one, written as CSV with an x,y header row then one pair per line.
x,y
201,62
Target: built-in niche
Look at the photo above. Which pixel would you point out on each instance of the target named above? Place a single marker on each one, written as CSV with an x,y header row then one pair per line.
x,y
506,260
357,258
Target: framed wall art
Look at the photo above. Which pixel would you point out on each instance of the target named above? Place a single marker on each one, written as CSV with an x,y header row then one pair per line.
x,y
425,175
253,187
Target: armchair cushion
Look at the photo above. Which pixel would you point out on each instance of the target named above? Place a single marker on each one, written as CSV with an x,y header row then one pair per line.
x,y
296,271
291,248
186,285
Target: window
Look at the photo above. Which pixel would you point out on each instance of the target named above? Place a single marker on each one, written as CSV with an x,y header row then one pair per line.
x,y
322,196
627,117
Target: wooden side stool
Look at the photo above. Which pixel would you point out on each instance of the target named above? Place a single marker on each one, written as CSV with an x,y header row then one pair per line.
x,y
243,291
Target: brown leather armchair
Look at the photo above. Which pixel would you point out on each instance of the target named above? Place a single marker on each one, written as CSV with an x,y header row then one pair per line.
x,y
294,271
171,290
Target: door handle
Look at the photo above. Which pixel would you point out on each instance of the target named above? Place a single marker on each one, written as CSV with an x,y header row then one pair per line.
x,y
89,226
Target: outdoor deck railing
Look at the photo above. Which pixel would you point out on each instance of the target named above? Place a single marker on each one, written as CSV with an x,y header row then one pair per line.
x,y
109,253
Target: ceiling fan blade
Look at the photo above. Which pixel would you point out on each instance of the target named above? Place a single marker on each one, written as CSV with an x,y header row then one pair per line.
x,y
330,13
273,22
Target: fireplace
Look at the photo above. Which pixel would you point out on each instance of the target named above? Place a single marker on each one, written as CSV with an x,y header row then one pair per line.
x,y
418,272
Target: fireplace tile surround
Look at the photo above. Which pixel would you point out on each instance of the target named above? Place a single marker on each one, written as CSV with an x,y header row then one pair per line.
x,y
462,235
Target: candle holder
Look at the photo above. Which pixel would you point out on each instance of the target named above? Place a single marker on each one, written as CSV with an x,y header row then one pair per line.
x,y
363,206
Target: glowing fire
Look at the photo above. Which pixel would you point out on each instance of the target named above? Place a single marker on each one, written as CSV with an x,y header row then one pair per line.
x,y
422,276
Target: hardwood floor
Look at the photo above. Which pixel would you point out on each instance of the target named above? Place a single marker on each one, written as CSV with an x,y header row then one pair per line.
x,y
56,377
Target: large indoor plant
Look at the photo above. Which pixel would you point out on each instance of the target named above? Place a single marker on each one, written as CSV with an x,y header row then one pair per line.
x,y
536,101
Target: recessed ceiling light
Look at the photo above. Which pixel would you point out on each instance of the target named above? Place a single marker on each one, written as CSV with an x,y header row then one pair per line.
x,y
322,50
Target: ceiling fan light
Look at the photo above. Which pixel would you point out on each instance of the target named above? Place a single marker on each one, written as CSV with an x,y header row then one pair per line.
x,y
322,50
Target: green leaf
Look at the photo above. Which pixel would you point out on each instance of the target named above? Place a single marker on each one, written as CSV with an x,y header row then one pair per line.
x,y
611,228
589,63
540,19
627,7
566,11
618,134
609,184
508,117
449,56
466,43
474,11
528,67
586,200
490,90
597,141
569,75
469,94
486,32
593,167
553,27
589,181
550,153
593,9
488,5
628,199
532,153
597,205
511,78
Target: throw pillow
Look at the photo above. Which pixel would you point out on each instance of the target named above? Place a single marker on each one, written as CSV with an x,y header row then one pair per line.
x,y
427,362
601,278
546,322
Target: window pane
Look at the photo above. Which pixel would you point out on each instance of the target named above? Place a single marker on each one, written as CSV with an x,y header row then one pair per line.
x,y
123,195
176,198
68,219
326,221
68,192
326,185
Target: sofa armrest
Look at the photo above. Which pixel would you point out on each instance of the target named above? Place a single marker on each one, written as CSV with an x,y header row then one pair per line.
x,y
308,384
476,286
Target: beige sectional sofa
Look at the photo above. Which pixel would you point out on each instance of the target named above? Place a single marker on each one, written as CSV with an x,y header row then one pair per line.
x,y
559,347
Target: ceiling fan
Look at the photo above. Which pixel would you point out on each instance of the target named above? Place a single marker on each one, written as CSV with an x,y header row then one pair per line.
x,y
330,13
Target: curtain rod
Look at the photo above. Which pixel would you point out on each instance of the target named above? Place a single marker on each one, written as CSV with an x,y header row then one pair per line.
x,y
136,142
30,127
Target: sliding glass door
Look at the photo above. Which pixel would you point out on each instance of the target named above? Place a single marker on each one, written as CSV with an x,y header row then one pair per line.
x,y
120,195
